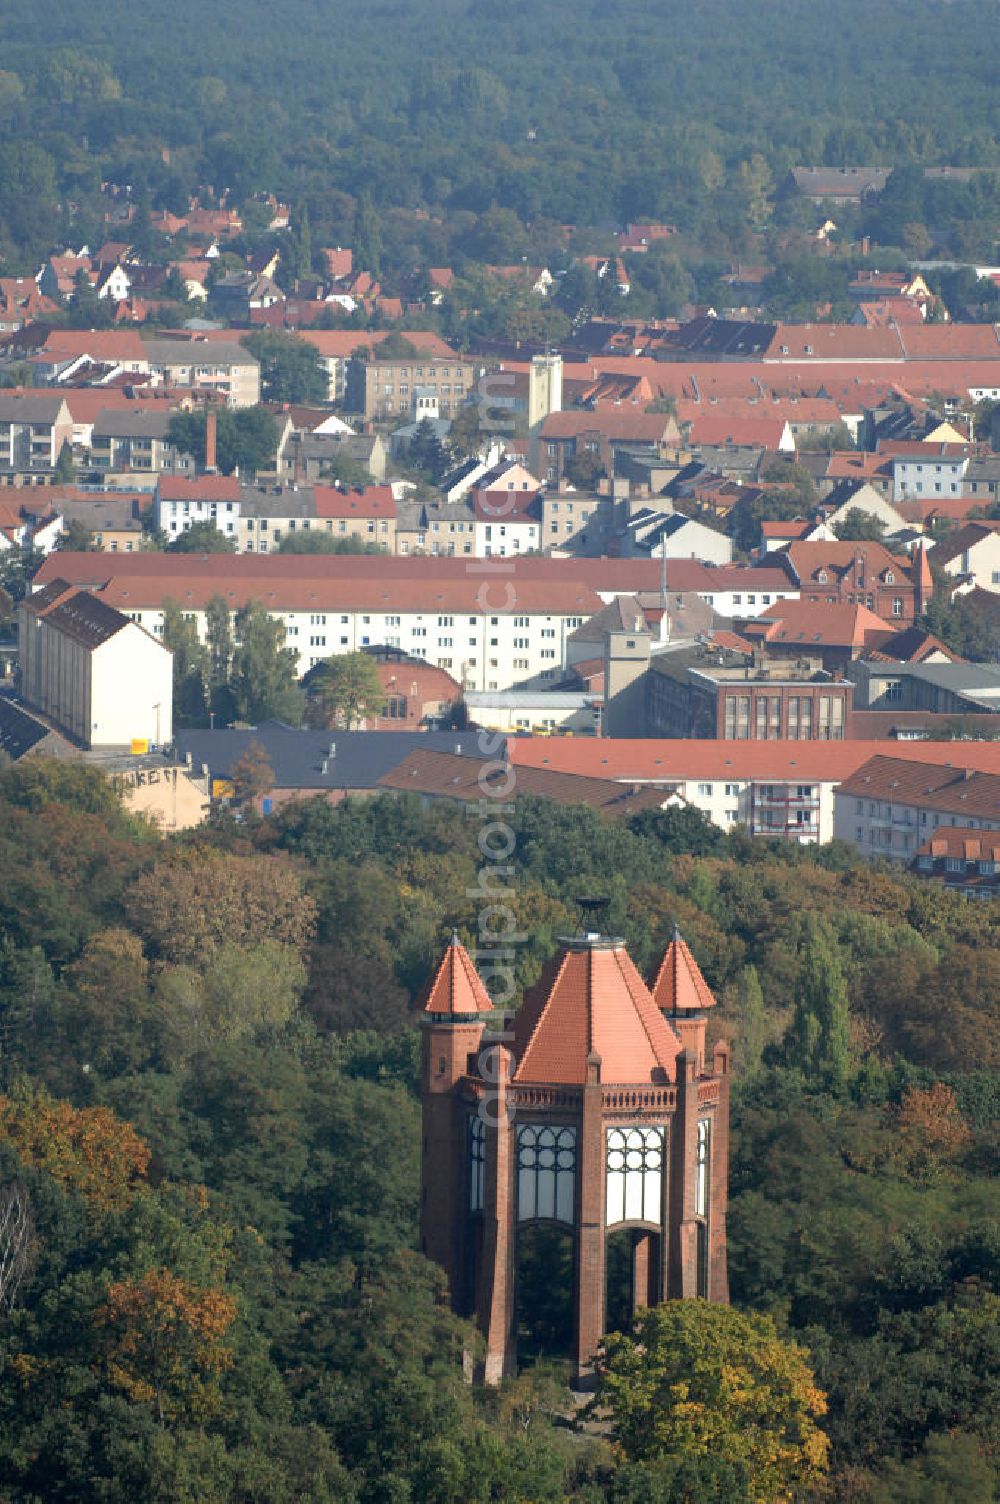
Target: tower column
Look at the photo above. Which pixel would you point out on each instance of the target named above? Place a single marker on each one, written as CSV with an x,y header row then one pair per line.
x,y
590,1228
683,1266
496,1296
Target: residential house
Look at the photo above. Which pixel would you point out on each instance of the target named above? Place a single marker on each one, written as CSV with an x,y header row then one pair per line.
x,y
459,620
212,367
827,186
778,789
673,535
579,522
970,554
21,302
179,502
604,434
92,671
864,574
33,432
964,860
112,519
126,443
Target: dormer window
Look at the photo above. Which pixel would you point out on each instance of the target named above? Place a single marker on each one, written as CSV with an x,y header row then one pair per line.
x,y
822,577
890,578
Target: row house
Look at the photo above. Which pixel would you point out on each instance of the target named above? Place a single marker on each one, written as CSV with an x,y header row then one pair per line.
x,y
267,515
337,349
890,806
180,502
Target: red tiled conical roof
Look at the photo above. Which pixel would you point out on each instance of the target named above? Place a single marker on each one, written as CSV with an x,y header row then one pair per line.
x,y
456,986
680,986
591,999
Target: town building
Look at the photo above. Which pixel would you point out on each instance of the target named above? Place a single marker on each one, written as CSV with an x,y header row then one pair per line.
x,y
604,1120
387,388
779,790
707,692
93,672
889,807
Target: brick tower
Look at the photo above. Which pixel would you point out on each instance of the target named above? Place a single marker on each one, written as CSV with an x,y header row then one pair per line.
x,y
598,1115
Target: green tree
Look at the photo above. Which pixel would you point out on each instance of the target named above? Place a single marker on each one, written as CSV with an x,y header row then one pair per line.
x,y
290,369
76,537
752,1020
367,241
345,690
819,1040
65,469
251,775
264,671
314,542
180,635
219,641
860,526
246,438
696,1379
201,538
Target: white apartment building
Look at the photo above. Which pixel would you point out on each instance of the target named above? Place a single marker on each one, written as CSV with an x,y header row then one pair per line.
x,y
91,671
179,503
890,805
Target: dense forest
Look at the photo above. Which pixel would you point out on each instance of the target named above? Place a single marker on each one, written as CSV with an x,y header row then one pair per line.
x,y
209,1141
478,130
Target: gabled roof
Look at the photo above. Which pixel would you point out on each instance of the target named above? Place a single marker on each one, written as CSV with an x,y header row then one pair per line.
x,y
589,1001
456,988
680,986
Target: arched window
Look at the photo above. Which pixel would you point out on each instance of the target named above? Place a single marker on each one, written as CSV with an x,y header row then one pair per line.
x,y
546,1172
635,1175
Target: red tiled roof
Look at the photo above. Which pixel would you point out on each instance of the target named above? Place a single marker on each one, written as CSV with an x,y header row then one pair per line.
x,y
204,488
680,986
762,433
456,987
959,785
672,760
360,501
808,623
592,1001
961,841
101,344
614,423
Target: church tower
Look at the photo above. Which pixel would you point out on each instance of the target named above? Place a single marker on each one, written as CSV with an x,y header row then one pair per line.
x,y
598,1117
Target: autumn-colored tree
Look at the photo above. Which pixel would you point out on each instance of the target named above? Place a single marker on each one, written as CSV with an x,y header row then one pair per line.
x,y
165,1344
108,1016
251,775
88,1149
696,1379
217,898
930,1126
